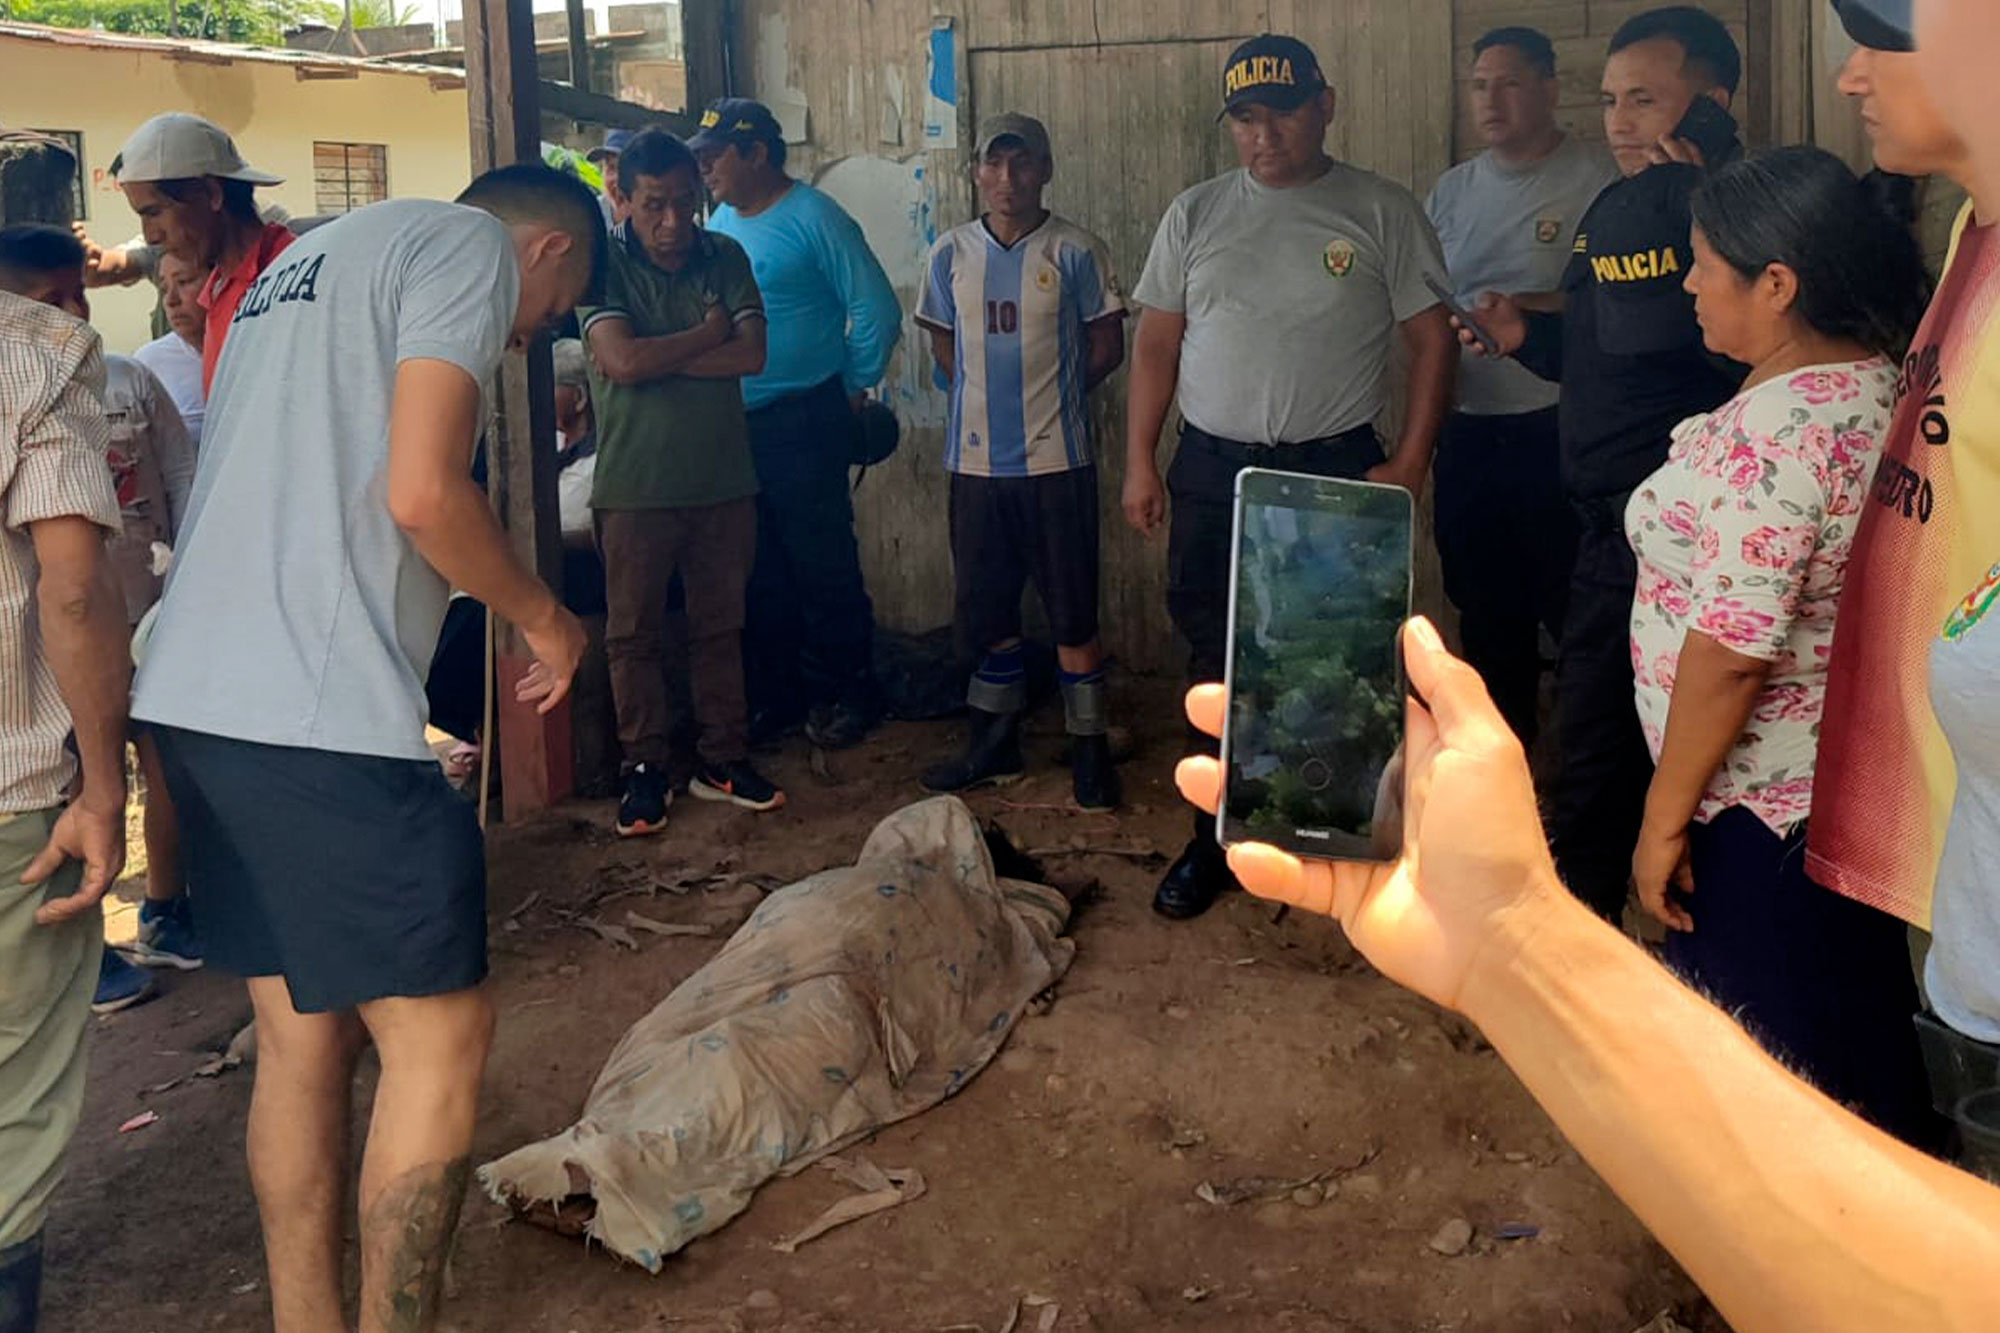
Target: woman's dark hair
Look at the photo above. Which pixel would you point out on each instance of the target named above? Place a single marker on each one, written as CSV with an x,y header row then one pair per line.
x,y
1860,273
238,197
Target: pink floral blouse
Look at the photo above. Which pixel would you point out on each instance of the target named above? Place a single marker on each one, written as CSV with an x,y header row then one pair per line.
x,y
1743,536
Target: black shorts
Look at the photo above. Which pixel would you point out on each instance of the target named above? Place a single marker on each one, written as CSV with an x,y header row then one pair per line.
x,y
1008,530
353,877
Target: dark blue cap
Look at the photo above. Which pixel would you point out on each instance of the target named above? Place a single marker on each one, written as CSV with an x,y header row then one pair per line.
x,y
1880,25
736,120
614,142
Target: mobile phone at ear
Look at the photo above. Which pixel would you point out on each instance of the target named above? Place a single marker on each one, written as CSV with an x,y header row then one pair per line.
x,y
1320,585
1458,312
1708,126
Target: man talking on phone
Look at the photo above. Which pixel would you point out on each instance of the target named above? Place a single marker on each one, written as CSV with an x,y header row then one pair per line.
x,y
1272,295
1621,338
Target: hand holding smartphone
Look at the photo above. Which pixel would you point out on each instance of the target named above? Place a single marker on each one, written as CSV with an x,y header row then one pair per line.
x,y
1320,585
1446,298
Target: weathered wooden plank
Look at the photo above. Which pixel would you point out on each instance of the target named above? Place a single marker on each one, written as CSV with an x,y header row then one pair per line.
x,y
502,84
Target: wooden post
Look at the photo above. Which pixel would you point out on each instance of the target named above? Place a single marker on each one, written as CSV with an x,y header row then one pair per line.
x,y
579,48
501,85
705,46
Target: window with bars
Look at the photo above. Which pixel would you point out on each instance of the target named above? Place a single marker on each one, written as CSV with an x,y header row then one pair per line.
x,y
79,196
347,176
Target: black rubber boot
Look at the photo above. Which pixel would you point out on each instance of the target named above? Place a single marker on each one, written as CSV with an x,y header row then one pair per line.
x,y
20,1285
1198,878
1092,774
992,755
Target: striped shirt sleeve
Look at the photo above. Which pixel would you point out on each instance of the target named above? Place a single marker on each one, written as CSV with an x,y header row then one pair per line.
x,y
60,436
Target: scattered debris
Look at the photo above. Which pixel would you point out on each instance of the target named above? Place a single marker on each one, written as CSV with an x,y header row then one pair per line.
x,y
1514,1157
1311,1196
245,1289
822,768
882,1190
1664,1322
652,927
139,1122
617,935
522,908
1270,1189
1180,1013
1517,1231
1452,1238
1139,849
1183,1137
1196,1295
155,1089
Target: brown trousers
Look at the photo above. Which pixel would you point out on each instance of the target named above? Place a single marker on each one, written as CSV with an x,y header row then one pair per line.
x,y
712,548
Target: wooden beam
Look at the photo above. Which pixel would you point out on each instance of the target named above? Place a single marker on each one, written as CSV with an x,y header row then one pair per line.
x,y
502,103
579,48
597,109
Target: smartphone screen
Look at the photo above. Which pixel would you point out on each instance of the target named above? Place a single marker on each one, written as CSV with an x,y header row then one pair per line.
x,y
1312,740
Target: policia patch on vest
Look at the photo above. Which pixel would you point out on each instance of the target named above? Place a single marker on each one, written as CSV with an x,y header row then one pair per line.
x,y
1635,248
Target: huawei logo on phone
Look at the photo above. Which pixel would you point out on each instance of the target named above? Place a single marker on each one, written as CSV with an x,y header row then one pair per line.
x,y
1318,834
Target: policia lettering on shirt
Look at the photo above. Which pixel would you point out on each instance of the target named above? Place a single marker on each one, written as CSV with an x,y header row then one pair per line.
x,y
297,281
1629,356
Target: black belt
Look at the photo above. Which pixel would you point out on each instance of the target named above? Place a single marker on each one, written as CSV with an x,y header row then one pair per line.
x,y
1245,454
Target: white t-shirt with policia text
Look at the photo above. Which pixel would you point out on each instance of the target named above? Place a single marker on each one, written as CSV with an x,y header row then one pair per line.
x,y
297,612
1292,299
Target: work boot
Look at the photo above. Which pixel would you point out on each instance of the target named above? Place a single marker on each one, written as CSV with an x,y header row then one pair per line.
x,y
1092,774
992,755
1200,876
20,1285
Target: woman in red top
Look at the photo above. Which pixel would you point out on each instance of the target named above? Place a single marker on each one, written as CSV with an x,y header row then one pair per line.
x,y
196,200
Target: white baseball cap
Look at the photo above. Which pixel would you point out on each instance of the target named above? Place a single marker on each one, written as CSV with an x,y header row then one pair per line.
x,y
177,146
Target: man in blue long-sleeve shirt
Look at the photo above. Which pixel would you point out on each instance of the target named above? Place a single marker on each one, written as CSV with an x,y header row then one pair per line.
x,y
833,323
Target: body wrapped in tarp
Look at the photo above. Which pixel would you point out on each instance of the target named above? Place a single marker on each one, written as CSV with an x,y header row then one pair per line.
x,y
848,1001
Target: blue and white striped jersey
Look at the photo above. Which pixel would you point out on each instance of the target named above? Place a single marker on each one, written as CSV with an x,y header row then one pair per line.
x,y
1018,314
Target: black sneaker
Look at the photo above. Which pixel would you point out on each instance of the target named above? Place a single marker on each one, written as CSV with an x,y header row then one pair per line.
x,y
737,783
644,809
839,726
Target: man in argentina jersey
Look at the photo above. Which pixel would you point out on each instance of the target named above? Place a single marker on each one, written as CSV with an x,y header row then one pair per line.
x,y
1025,319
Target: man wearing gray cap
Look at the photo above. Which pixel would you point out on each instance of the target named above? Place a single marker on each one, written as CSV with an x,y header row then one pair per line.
x,y
195,197
1025,319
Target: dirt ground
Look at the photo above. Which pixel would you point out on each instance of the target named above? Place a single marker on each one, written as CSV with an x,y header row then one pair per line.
x,y
1062,1179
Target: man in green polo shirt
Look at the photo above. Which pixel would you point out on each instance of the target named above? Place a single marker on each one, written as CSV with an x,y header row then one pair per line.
x,y
682,323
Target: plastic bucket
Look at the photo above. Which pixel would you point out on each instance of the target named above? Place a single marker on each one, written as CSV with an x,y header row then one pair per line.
x,y
1978,1119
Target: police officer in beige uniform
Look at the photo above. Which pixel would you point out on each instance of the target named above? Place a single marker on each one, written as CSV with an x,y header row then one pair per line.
x,y
1272,296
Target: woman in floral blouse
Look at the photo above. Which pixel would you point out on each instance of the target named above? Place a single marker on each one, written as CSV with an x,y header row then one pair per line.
x,y
1742,539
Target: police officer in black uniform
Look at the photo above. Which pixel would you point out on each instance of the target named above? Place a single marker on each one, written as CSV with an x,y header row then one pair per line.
x,y
1621,337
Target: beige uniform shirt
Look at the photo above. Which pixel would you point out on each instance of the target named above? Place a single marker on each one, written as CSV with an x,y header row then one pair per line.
x,y
53,438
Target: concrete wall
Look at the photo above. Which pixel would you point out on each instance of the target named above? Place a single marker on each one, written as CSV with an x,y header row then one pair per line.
x,y
274,115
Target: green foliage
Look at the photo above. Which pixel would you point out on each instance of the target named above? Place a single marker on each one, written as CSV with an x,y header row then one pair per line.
x,y
1318,706
255,22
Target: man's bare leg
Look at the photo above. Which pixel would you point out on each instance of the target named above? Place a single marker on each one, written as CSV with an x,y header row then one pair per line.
x,y
162,828
418,1159
298,1153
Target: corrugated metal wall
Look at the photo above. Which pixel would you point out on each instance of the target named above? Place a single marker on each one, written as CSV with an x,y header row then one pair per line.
x,y
1129,90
